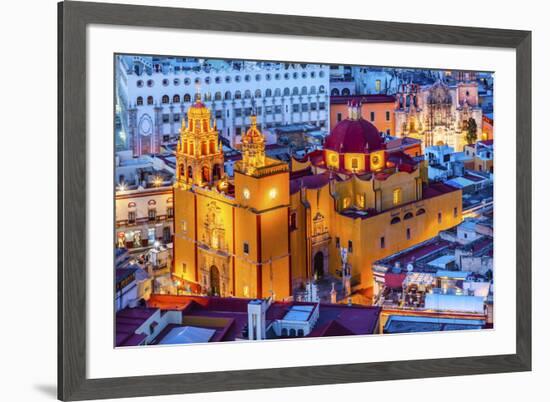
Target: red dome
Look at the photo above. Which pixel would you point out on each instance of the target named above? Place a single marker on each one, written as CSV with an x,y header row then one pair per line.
x,y
354,136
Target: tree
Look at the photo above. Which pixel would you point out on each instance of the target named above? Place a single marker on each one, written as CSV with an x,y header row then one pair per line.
x,y
471,133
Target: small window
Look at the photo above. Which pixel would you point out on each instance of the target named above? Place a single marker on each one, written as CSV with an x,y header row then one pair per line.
x,y
455,212
139,101
421,211
372,116
176,99
293,223
408,233
132,217
439,217
245,248
339,117
152,214
387,116
149,100
354,163
408,215
382,242
395,220
337,242
350,246
397,195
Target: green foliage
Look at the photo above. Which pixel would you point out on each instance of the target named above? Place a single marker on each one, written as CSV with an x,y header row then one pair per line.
x,y
471,131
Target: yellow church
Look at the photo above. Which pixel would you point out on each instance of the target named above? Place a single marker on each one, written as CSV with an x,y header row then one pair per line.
x,y
272,227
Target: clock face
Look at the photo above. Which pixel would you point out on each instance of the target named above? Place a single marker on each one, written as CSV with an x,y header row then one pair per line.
x,y
246,193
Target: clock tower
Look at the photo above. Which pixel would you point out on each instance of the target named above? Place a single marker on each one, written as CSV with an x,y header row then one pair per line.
x,y
261,219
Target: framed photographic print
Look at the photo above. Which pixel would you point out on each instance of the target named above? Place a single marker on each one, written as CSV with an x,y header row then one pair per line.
x,y
258,201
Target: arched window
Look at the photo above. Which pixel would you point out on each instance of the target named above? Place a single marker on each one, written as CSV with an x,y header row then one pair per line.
x,y
334,92
238,95
247,94
227,95
268,93
165,99
322,89
139,101
190,172
295,91
395,220
286,92
345,92
421,211
278,92
312,90
207,96
218,96
176,99
408,215
149,100
187,98
304,90
258,93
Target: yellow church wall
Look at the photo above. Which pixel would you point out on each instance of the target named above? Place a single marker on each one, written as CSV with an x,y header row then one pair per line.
x,y
359,159
296,165
274,247
332,159
246,263
263,192
297,239
363,188
400,180
184,234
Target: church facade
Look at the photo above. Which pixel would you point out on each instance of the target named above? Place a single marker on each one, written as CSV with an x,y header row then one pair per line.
x,y
272,227
438,114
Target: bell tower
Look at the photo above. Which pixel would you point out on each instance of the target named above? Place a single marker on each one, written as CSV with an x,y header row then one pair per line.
x,y
199,152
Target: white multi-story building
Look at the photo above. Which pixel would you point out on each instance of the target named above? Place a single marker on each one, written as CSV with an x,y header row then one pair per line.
x,y
153,97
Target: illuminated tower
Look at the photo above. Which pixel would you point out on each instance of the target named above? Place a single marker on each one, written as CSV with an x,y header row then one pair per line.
x,y
199,153
261,221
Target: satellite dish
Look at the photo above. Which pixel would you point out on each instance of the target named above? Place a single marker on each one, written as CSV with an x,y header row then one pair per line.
x,y
410,267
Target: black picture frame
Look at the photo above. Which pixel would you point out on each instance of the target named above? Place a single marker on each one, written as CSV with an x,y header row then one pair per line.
x,y
73,18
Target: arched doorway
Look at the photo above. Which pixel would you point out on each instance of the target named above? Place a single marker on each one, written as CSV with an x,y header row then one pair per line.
x,y
319,265
206,174
216,172
214,281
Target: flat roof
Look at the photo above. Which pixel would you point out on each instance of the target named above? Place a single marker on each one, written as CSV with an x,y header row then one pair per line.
x,y
441,262
187,334
298,313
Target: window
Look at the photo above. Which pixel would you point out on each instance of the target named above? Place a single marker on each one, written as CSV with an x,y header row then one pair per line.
x,y
165,118
395,220
170,212
408,233
304,107
187,98
397,195
238,95
139,101
408,215
350,246
268,93
354,163
382,242
378,85
131,216
152,214
149,100
387,116
439,217
322,106
296,108
293,223
176,117
455,212
313,106
337,242
245,248
339,117
176,81
176,99
238,112
184,267
372,116
421,211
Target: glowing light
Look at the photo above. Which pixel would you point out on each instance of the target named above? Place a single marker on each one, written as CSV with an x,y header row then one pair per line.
x,y
122,187
156,244
273,193
157,181
246,193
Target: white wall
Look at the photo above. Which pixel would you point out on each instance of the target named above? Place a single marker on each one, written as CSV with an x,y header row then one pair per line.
x,y
29,47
